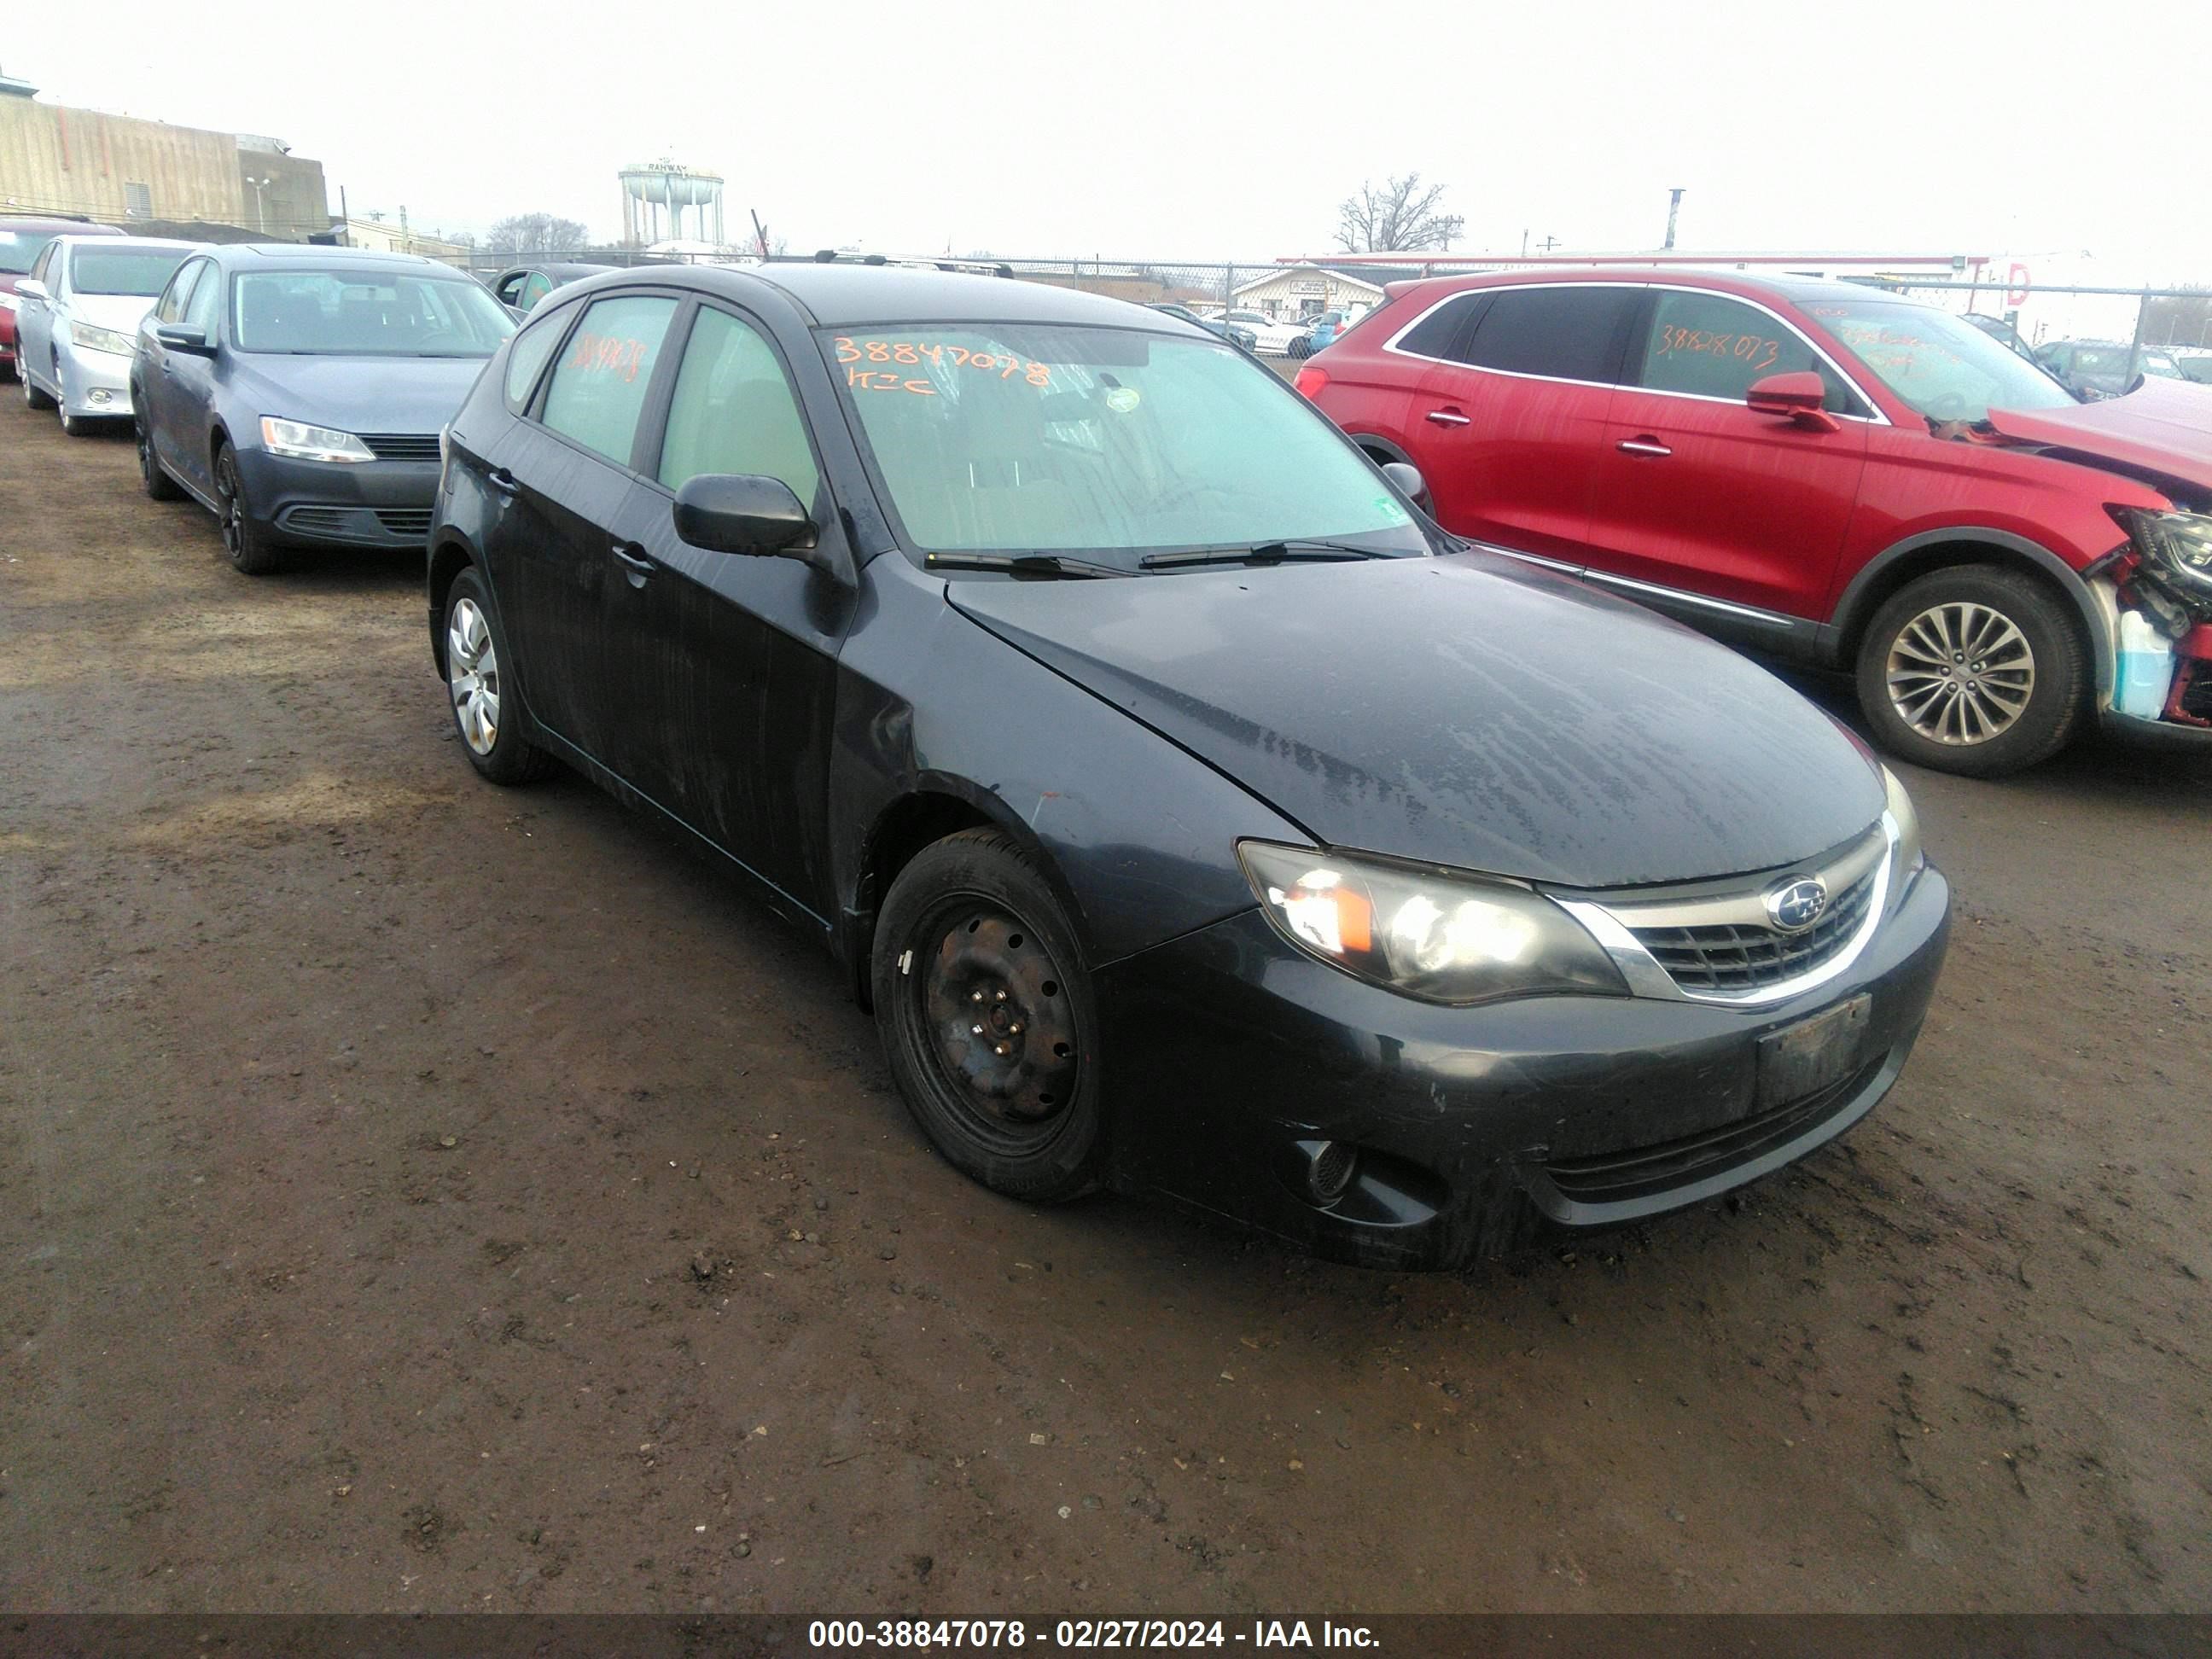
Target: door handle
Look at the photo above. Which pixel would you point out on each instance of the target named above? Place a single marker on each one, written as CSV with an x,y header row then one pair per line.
x,y
1449,417
1642,447
503,481
633,558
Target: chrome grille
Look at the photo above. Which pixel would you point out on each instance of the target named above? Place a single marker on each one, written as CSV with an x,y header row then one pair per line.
x,y
1727,956
1715,941
402,446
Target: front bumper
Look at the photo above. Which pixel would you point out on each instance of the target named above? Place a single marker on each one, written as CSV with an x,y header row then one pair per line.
x,y
96,384
326,504
1478,1129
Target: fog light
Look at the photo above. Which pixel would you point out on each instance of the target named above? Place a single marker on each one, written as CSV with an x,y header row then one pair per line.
x,y
100,394
1329,1173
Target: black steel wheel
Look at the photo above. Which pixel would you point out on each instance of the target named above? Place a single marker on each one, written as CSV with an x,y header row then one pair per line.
x,y
987,1018
244,543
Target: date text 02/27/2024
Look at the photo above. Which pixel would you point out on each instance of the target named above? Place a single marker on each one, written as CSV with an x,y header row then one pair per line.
x,y
825,1635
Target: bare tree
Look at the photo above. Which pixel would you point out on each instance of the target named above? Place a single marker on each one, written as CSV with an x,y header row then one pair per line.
x,y
536,233
1402,217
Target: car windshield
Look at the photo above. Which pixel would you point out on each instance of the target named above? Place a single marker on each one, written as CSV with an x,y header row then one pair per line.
x,y
343,313
1947,370
1005,438
142,272
19,249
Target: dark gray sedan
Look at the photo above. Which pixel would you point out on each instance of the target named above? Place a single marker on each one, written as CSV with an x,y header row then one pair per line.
x,y
298,393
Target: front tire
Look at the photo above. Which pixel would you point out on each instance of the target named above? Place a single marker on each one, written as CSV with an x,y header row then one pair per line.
x,y
476,687
1976,670
244,543
33,397
988,1021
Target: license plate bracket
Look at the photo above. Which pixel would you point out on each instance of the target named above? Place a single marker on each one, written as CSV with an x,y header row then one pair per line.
x,y
1814,1054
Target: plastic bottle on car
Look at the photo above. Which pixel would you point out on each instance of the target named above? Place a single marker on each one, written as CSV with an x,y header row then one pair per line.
x,y
2145,668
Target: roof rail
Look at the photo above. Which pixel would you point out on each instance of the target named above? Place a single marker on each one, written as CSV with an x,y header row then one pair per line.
x,y
830,256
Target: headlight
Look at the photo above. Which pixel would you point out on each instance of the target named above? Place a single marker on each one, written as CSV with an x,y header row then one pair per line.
x,y
1434,935
100,339
2178,544
311,443
1910,858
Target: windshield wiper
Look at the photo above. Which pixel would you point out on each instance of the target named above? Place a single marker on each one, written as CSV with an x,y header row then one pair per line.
x,y
1300,552
1023,564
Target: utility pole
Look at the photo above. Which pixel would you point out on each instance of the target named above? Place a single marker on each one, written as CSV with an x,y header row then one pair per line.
x,y
1524,244
1674,212
760,233
260,214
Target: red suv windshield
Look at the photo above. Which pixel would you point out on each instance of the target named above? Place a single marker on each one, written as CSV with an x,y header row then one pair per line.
x,y
1946,369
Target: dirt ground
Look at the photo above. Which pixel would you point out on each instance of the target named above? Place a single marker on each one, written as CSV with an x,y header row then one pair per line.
x,y
416,1195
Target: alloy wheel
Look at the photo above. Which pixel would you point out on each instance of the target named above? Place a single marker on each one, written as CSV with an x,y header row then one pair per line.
x,y
1961,673
234,505
1000,1026
473,675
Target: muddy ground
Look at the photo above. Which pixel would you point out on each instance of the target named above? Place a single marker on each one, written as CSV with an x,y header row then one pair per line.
x,y
415,1195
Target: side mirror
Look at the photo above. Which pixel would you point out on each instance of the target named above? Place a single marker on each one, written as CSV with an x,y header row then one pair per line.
x,y
743,513
32,288
1408,479
1798,396
181,336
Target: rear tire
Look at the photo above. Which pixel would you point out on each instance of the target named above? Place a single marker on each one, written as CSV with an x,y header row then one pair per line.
x,y
486,711
159,486
244,542
988,1021
1976,670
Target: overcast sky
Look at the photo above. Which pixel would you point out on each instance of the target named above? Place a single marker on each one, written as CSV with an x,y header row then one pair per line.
x,y
1202,131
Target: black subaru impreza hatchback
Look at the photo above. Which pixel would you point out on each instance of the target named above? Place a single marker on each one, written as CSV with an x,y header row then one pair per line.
x,y
1196,816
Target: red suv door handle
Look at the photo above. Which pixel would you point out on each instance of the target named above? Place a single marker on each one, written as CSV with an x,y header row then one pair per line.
x,y
1449,417
1644,446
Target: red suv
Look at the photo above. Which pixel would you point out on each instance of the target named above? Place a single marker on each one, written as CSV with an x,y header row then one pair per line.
x,y
1821,472
22,240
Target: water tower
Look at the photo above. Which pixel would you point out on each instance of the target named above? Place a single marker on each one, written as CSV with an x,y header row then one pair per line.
x,y
656,195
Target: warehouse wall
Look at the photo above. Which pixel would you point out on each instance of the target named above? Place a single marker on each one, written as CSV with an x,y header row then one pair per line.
x,y
69,160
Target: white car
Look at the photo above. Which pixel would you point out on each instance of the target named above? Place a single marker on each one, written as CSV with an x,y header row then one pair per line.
x,y
1274,334
77,322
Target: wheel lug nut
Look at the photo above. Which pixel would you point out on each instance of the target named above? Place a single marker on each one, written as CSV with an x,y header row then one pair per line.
x,y
974,996
1002,996
1015,1029
975,1030
1002,1047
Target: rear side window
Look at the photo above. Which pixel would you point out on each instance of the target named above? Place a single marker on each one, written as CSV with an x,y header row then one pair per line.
x,y
599,385
1713,346
734,411
1560,333
1433,335
527,356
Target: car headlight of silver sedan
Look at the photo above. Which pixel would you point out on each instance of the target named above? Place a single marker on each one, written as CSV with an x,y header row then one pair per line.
x,y
86,337
1438,935
303,442
2178,544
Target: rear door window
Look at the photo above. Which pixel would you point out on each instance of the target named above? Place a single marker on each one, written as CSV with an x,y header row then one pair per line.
x,y
1576,333
1708,345
599,386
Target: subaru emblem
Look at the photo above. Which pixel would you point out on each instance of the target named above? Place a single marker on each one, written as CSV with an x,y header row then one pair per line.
x,y
1796,905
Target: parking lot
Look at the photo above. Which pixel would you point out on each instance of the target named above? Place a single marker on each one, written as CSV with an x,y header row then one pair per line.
x,y
417,1195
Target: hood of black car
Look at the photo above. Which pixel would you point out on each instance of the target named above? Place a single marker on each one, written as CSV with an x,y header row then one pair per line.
x,y
1466,711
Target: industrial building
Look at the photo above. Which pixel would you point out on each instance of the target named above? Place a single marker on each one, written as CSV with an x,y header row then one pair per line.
x,y
118,168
